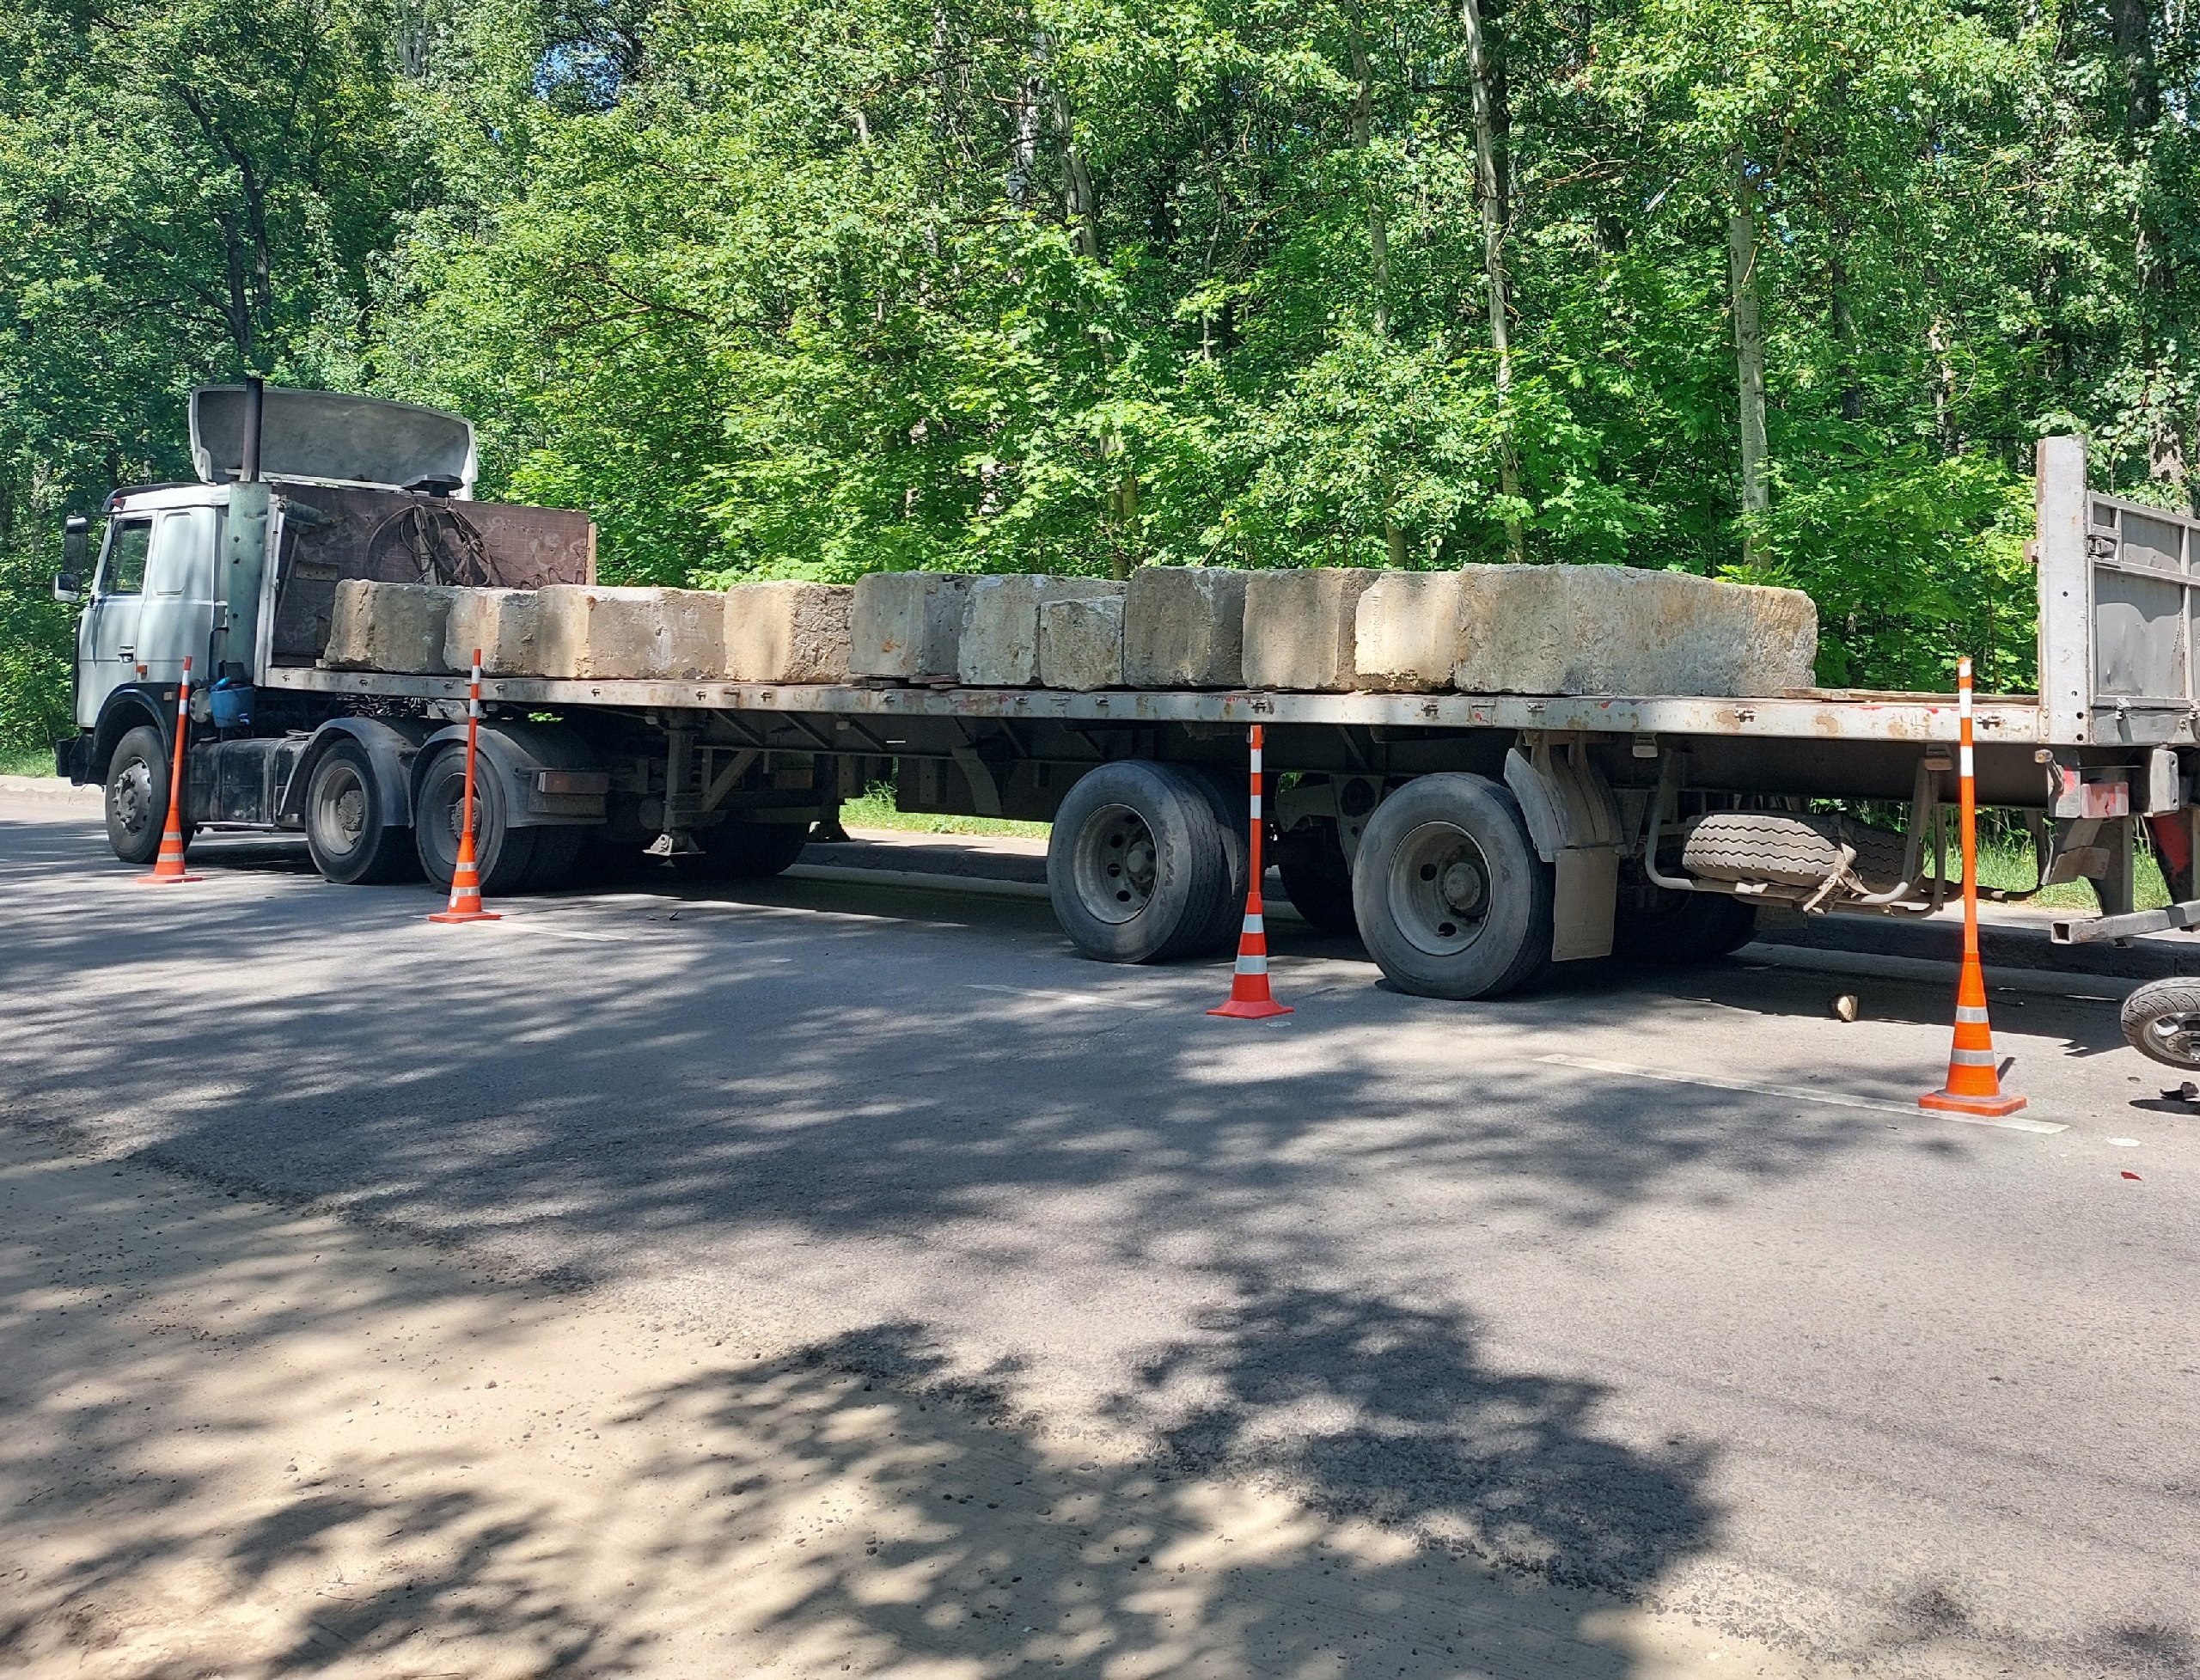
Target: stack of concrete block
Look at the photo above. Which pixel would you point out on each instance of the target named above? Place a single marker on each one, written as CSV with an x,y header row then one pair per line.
x,y
1613,629
1183,628
583,630
500,624
388,626
907,624
999,643
788,632
1081,641
1301,628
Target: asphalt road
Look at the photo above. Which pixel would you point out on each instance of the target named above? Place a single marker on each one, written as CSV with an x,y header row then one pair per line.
x,y
1653,1282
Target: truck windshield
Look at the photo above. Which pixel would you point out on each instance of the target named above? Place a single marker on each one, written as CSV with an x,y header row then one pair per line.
x,y
122,572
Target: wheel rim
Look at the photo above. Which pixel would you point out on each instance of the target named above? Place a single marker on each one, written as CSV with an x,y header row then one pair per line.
x,y
1115,864
1439,889
450,780
133,796
340,809
2176,1037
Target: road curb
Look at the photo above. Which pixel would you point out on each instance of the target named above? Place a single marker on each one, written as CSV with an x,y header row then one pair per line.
x,y
2037,982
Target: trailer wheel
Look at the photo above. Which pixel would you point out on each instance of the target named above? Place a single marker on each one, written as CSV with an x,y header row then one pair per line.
x,y
2161,1022
344,831
504,855
1452,900
736,851
1316,877
1226,794
137,796
1677,928
1135,866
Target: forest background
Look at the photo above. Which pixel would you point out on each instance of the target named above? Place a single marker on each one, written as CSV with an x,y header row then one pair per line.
x,y
1776,290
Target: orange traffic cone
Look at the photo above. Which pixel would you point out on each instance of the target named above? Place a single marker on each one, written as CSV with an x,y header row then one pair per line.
x,y
167,868
1250,997
1974,1086
465,904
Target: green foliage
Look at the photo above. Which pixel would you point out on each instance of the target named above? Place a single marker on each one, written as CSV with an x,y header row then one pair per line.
x,y
795,291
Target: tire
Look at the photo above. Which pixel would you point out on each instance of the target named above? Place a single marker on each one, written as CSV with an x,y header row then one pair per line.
x,y
558,849
137,796
1227,795
1136,864
1679,928
2161,1022
737,851
1788,850
1316,877
1450,898
344,831
504,855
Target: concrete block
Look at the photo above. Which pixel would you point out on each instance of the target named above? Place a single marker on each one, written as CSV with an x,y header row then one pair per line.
x,y
501,623
788,632
388,626
1301,625
664,635
1406,635
1183,628
1615,630
999,645
1081,643
905,624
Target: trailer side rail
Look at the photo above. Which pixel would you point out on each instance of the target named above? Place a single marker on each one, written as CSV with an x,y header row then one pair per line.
x,y
1817,717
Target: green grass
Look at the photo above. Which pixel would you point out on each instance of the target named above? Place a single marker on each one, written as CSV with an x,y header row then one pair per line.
x,y
877,810
2009,865
26,760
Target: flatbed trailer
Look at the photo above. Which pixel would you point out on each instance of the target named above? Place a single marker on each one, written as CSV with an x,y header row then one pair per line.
x,y
1470,840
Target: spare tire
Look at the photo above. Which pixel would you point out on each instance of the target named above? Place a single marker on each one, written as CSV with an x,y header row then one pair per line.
x,y
1788,849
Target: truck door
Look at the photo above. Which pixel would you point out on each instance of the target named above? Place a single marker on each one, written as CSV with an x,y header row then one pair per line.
x,y
176,614
107,636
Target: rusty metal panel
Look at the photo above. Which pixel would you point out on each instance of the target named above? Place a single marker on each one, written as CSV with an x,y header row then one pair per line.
x,y
395,536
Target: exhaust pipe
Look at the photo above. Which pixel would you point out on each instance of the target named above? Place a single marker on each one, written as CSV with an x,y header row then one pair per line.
x,y
255,399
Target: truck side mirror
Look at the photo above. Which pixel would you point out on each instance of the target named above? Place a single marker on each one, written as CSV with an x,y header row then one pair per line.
x,y
76,557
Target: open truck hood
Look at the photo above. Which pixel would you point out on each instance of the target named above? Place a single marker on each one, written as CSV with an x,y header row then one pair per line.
x,y
325,437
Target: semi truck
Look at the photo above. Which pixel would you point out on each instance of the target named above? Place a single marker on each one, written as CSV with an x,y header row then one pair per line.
x,y
1470,840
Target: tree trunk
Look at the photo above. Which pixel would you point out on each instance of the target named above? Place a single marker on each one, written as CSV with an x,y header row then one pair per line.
x,y
1378,222
1748,344
1843,324
1490,190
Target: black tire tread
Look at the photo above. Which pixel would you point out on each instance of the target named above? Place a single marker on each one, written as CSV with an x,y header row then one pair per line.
x,y
2149,1004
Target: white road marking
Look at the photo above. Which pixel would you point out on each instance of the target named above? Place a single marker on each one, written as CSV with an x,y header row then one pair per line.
x,y
2125,1143
1837,1099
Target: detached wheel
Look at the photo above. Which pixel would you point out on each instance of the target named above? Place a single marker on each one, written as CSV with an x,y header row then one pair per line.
x,y
1677,928
2161,1022
503,855
344,831
1136,866
736,851
1452,900
1316,877
137,796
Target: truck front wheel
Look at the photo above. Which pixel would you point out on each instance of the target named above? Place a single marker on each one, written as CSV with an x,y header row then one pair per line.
x,y
344,831
137,796
1136,865
503,855
1451,898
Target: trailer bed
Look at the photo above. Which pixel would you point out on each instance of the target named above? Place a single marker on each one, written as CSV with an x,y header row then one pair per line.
x,y
1817,715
